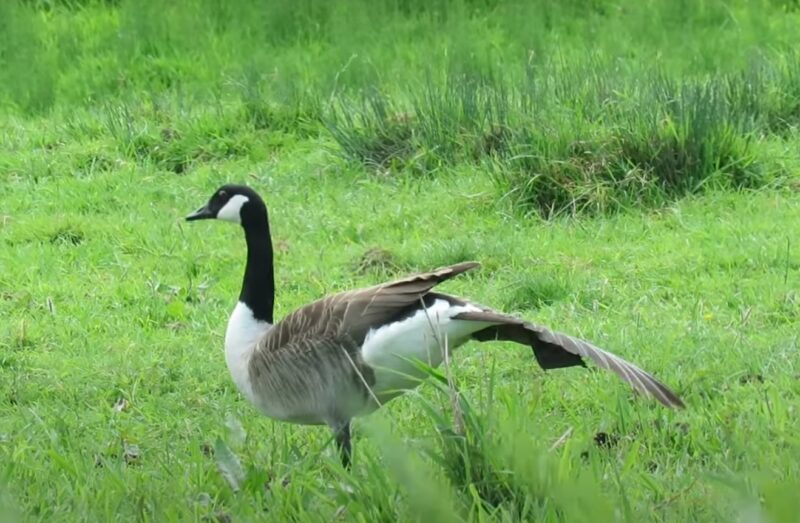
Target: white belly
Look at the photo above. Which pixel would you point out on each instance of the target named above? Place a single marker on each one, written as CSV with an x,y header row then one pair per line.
x,y
391,349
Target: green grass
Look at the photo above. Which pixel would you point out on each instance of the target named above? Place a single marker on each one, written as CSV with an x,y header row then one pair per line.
x,y
381,153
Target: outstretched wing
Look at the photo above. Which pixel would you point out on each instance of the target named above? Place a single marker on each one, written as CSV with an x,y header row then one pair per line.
x,y
555,350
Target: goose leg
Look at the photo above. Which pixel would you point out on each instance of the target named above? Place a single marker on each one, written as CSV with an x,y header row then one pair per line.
x,y
343,443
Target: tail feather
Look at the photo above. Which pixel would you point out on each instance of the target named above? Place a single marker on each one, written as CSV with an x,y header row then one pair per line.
x,y
556,350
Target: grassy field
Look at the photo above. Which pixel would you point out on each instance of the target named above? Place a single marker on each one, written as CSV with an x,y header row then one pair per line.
x,y
624,171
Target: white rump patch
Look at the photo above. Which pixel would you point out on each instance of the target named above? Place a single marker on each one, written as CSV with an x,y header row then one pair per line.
x,y
422,336
230,211
243,332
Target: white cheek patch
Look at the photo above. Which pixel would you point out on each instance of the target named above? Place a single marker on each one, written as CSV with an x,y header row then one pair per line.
x,y
230,211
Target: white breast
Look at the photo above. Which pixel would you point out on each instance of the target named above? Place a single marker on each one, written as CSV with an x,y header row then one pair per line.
x,y
243,332
421,336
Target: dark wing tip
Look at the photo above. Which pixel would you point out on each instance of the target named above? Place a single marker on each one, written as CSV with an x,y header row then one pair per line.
x,y
639,379
458,268
667,397
433,277
643,381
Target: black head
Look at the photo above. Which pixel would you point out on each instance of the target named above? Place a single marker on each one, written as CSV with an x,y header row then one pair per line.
x,y
233,203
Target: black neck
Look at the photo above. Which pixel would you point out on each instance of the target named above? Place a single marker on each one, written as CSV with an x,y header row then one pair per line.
x,y
258,286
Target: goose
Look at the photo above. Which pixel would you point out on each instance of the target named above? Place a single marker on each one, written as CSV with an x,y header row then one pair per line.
x,y
347,354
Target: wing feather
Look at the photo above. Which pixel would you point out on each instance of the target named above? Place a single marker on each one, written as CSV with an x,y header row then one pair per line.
x,y
555,349
350,315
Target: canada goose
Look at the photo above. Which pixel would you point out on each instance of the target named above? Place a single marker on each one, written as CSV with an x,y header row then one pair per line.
x,y
346,354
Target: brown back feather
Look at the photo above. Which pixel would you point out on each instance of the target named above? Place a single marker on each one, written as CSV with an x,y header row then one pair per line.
x,y
350,315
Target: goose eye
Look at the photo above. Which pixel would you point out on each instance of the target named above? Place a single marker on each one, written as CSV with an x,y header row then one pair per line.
x,y
223,194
